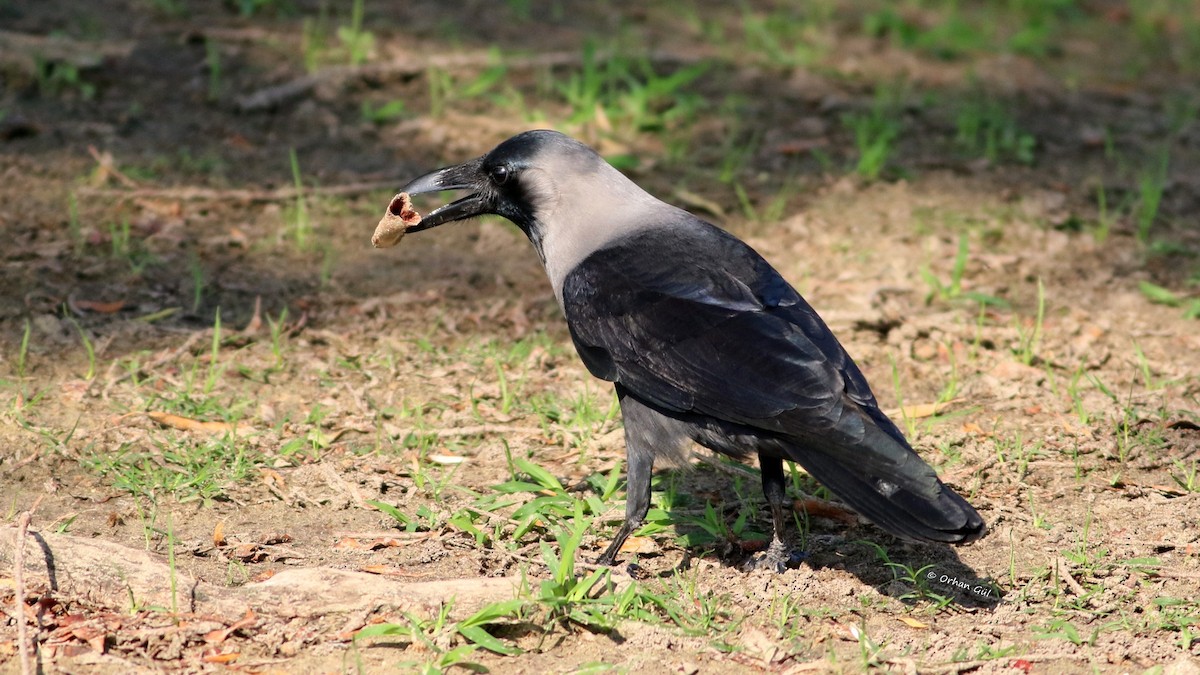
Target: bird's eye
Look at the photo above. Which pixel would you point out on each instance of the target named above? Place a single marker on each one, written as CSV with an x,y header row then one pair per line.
x,y
500,174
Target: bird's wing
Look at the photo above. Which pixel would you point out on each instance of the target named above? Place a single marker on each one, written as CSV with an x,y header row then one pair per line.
x,y
693,320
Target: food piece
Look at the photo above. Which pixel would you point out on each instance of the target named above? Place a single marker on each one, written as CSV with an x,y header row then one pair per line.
x,y
398,219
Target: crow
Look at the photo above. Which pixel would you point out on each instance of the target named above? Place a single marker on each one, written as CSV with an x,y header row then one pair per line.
x,y
703,340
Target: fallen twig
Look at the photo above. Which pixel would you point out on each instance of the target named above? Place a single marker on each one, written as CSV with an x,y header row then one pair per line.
x,y
409,65
26,52
210,194
1064,573
481,430
19,586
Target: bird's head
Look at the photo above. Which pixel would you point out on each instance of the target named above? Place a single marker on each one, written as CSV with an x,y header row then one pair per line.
x,y
519,179
561,193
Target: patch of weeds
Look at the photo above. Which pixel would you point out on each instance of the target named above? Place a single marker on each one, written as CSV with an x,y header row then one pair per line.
x,y
212,62
356,42
57,78
1188,476
447,89
875,132
566,597
626,95
433,635
870,653
773,210
580,415
983,652
696,609
910,422
1138,431
915,579
388,111
196,271
23,352
1151,184
712,525
553,502
949,37
127,249
738,147
1029,337
1105,217
1165,296
1014,449
88,348
313,36
985,128
952,290
183,468
788,35
298,224
1063,629
1177,615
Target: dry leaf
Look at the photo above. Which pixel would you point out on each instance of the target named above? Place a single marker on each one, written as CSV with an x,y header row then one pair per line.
x,y
923,410
819,508
250,553
272,477
262,576
447,459
639,545
221,634
973,428
913,623
187,424
349,544
219,534
227,657
99,307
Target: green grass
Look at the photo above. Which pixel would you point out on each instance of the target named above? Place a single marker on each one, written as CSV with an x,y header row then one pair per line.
x,y
175,466
987,129
875,131
623,94
1151,184
298,224
356,41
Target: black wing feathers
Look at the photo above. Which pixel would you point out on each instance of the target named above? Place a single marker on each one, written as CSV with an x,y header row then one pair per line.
x,y
692,321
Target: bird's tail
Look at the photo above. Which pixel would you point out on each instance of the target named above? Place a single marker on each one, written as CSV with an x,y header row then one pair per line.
x,y
889,484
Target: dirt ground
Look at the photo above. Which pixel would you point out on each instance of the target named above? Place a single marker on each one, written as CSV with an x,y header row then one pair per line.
x,y
244,436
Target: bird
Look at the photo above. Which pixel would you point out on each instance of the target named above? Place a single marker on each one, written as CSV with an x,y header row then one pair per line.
x,y
703,341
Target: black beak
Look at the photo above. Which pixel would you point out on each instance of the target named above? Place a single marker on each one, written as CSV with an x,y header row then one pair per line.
x,y
462,177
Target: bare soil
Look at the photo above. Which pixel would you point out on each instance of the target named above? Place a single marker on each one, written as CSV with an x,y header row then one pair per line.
x,y
143,196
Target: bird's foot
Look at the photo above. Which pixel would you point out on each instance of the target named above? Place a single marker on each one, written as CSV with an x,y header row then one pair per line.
x,y
777,558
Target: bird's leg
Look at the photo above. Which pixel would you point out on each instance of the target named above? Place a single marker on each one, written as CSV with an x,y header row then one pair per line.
x,y
637,496
774,483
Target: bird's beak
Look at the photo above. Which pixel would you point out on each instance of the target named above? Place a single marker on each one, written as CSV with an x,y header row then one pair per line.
x,y
462,177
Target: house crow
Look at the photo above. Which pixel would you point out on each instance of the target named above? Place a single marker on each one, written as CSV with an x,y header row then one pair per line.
x,y
703,340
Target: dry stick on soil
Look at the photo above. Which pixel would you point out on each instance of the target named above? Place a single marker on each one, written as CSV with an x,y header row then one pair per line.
x,y
409,65
19,586
27,52
209,194
1064,572
480,430
19,595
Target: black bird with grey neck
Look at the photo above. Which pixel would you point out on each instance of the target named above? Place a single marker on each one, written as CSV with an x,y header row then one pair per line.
x,y
703,340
